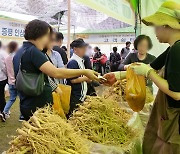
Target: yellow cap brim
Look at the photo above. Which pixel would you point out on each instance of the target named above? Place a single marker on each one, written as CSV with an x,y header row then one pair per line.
x,y
161,19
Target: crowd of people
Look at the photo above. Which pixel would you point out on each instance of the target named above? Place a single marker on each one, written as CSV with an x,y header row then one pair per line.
x,y
42,60
42,54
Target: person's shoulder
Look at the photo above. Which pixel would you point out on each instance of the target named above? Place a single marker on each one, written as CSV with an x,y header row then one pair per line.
x,y
176,46
18,53
33,48
151,56
132,54
55,52
112,53
72,62
9,58
174,50
56,48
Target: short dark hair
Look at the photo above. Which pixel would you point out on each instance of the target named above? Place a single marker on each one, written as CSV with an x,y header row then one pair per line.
x,y
0,44
59,36
12,46
97,48
36,29
143,37
115,49
128,42
64,47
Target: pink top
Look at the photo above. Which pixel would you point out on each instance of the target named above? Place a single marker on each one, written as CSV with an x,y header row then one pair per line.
x,y
10,69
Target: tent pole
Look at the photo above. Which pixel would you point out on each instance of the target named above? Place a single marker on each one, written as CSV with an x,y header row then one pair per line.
x,y
69,29
59,22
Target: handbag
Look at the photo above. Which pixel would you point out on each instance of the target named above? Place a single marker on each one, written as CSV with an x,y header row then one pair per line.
x,y
103,60
31,84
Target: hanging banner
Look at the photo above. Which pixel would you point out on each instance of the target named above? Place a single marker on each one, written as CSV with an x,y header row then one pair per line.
x,y
117,9
107,38
11,29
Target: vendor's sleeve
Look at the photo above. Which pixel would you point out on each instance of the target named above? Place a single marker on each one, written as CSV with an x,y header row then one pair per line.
x,y
38,58
173,76
159,62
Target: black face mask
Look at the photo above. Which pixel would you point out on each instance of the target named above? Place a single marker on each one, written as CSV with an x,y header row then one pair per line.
x,y
44,50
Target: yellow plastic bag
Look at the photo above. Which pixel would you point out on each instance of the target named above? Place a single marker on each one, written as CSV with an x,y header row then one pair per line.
x,y
135,90
65,97
57,104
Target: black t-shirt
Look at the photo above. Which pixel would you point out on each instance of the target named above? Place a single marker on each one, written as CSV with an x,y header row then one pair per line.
x,y
115,58
62,53
171,60
32,60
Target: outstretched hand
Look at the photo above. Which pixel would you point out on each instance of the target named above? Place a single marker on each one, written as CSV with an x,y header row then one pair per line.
x,y
141,69
92,75
110,79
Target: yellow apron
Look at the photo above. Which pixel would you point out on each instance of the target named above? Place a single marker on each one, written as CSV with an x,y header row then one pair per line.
x,y
162,134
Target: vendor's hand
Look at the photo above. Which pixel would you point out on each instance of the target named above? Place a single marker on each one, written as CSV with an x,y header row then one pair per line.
x,y
110,79
92,75
58,90
141,69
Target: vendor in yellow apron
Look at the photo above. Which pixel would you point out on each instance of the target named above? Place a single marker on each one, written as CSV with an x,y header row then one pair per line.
x,y
162,134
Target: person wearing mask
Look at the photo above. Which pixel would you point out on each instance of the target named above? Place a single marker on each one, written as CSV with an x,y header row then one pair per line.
x,y
125,51
96,60
162,134
3,81
142,45
12,48
33,60
57,47
78,84
115,59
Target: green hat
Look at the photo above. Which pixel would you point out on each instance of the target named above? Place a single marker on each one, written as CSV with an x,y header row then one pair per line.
x,y
167,14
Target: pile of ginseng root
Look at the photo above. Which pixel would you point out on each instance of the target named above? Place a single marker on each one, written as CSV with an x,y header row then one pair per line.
x,y
118,92
47,133
103,121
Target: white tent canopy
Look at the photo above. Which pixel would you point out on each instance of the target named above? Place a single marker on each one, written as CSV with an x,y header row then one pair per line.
x,y
82,17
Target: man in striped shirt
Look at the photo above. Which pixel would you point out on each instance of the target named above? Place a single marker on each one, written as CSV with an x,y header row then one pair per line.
x,y
79,84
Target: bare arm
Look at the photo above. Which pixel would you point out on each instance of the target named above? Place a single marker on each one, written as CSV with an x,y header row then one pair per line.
x,y
163,85
80,79
61,73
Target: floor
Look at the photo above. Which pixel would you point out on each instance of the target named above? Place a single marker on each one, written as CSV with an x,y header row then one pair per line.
x,y
8,128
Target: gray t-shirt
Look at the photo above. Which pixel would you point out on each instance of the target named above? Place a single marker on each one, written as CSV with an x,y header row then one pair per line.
x,y
124,53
